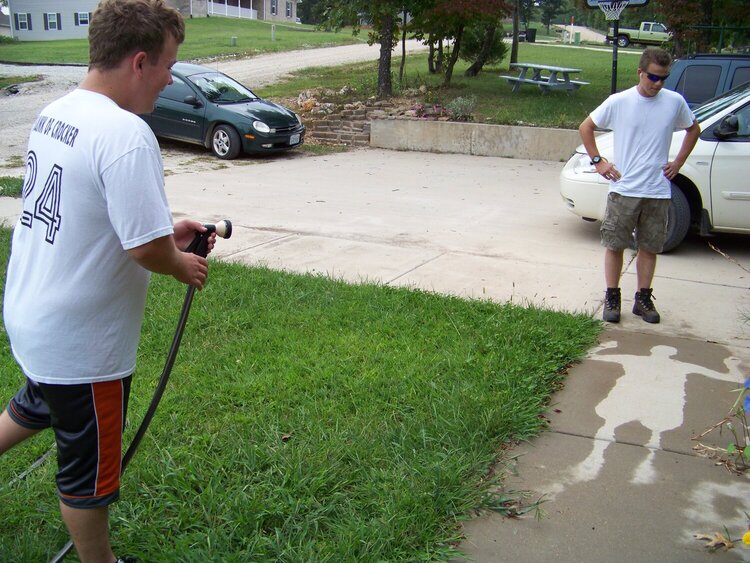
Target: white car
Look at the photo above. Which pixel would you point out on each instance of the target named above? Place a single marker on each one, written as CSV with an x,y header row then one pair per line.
x,y
711,192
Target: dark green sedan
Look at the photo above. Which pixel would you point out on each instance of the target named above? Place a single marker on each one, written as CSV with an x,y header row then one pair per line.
x,y
207,107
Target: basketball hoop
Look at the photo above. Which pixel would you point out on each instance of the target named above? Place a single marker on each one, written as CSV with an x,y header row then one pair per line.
x,y
613,9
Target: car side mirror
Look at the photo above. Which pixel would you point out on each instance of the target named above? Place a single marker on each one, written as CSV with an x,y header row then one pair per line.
x,y
727,128
193,101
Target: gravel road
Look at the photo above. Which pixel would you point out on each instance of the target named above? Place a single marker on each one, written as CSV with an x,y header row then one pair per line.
x,y
18,111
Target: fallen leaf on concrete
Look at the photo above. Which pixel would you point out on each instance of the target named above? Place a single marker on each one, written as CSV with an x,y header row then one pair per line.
x,y
716,541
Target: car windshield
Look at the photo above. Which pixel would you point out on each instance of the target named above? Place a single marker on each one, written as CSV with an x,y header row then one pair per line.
x,y
714,106
221,89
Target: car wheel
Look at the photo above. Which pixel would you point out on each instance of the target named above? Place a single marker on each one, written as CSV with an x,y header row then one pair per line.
x,y
678,223
623,41
225,142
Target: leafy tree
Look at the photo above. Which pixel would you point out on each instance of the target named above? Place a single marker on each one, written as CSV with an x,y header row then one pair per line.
x,y
384,18
483,44
550,8
526,11
310,11
447,19
681,16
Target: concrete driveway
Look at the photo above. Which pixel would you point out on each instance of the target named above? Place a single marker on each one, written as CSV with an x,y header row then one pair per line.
x,y
480,227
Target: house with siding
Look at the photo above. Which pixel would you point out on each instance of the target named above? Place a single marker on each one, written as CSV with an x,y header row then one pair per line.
x,y
46,20
267,10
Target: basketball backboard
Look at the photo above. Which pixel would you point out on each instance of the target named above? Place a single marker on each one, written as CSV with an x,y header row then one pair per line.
x,y
631,3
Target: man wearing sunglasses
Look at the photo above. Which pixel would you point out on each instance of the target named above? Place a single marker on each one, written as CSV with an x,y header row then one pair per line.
x,y
643,119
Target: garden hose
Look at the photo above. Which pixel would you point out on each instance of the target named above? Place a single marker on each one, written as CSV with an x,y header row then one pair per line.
x,y
198,246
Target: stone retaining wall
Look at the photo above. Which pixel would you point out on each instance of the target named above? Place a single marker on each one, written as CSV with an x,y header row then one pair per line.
x,y
349,126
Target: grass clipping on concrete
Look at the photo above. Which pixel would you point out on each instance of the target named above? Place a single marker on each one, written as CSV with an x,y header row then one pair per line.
x,y
308,419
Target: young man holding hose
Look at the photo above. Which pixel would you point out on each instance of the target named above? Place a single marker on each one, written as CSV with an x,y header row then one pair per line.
x,y
95,224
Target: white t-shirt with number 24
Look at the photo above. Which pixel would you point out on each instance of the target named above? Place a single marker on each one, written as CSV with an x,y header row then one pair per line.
x,y
94,188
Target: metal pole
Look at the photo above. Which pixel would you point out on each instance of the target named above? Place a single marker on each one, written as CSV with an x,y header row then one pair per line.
x,y
614,56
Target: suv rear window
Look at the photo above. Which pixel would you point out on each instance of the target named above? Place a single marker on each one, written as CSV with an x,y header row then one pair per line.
x,y
698,83
741,75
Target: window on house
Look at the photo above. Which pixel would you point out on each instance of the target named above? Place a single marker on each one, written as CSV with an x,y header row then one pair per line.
x,y
274,7
82,18
52,21
23,22
288,9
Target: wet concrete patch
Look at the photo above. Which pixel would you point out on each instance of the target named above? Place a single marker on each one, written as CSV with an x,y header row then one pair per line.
x,y
609,519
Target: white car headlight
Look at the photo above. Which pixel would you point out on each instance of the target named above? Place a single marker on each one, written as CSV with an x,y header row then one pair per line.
x,y
261,127
582,165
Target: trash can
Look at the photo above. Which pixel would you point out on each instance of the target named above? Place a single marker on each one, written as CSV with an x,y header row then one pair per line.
x,y
233,41
531,35
577,38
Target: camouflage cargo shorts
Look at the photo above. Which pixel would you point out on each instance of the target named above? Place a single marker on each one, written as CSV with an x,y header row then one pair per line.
x,y
648,217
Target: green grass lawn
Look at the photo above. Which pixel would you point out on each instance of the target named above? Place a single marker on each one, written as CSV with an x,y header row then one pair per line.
x,y
10,186
204,38
495,102
310,420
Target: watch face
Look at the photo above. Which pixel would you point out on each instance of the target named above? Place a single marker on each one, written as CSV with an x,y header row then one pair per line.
x,y
596,160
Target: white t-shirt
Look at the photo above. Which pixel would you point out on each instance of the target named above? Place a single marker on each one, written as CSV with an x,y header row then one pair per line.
x,y
643,128
94,188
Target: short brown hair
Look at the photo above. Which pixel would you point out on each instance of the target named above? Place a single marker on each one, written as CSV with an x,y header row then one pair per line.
x,y
122,27
656,56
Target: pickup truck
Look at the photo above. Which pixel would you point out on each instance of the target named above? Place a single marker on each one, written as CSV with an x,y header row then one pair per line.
x,y
650,33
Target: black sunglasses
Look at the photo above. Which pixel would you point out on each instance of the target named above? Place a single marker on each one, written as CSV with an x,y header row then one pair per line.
x,y
656,77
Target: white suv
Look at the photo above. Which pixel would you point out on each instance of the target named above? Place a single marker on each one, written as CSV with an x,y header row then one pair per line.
x,y
711,192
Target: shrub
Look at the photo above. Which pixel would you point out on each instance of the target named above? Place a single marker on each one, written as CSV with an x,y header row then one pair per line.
x,y
473,38
461,109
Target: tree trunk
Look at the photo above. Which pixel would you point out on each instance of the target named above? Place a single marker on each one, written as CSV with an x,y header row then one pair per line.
x,y
385,84
454,55
403,49
514,45
440,57
484,53
431,55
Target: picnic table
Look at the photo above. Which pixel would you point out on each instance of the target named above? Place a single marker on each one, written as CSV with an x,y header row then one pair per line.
x,y
557,78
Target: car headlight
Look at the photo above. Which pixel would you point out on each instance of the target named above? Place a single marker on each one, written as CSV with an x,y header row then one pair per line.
x,y
299,119
261,127
582,164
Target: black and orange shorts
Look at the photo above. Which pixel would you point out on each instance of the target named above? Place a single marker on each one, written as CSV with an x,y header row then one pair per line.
x,y
88,421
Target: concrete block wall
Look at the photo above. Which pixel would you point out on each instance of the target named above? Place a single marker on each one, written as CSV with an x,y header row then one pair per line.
x,y
532,143
375,124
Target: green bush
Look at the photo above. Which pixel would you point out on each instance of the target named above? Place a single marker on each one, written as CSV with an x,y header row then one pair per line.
x,y
462,109
473,38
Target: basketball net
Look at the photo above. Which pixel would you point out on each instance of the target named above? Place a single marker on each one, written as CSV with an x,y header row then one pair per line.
x,y
612,10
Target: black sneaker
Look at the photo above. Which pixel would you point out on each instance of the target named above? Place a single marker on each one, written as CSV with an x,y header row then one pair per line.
x,y
611,311
126,559
644,306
